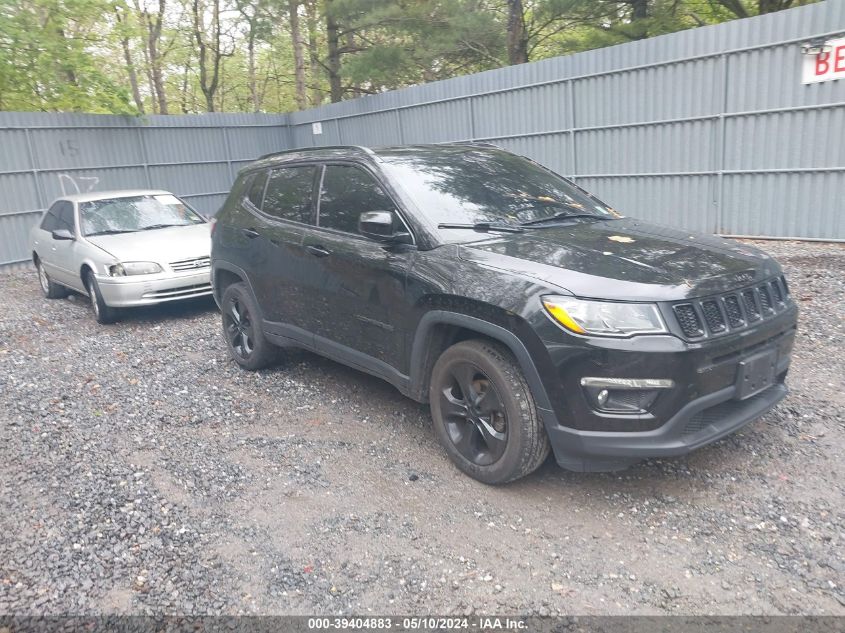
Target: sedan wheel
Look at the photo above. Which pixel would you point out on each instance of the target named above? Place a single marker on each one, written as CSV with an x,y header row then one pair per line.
x,y
92,295
102,311
50,289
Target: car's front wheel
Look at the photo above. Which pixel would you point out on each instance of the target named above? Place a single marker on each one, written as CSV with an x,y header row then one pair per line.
x,y
103,312
484,413
242,329
50,289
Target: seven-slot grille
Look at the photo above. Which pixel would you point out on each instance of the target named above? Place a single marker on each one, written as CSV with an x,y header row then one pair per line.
x,y
191,264
731,311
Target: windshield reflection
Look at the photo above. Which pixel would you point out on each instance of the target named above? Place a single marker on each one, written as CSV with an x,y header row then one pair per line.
x,y
472,185
135,213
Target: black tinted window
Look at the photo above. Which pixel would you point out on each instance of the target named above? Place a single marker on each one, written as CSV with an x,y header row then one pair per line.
x,y
289,193
66,216
60,216
51,220
347,192
256,188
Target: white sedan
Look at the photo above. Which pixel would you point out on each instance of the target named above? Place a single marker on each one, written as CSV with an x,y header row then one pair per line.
x,y
122,249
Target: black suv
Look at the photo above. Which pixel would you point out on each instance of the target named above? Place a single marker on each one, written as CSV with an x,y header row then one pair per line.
x,y
526,312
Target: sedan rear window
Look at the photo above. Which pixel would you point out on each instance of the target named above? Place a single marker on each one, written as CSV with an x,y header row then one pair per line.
x,y
136,213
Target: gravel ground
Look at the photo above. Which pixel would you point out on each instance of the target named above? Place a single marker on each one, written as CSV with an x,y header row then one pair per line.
x,y
142,472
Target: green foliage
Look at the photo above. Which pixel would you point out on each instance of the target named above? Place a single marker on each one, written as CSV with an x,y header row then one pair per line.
x,y
51,57
71,55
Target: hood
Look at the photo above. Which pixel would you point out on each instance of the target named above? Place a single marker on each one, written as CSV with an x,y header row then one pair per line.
x,y
625,259
157,245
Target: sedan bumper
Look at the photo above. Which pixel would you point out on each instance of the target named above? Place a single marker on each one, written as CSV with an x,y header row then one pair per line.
x,y
125,292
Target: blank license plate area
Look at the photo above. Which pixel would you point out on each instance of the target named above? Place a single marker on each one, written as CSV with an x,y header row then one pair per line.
x,y
756,373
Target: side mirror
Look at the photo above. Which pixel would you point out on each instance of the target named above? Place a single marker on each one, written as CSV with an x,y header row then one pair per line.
x,y
62,234
378,225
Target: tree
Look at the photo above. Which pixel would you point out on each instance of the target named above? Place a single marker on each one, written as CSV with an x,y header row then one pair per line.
x,y
124,34
137,56
208,33
298,46
517,36
153,21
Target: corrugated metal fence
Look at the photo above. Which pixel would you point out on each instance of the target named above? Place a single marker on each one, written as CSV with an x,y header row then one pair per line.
x,y
46,155
710,129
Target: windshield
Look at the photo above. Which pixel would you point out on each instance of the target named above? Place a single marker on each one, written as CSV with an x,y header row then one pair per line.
x,y
487,185
136,213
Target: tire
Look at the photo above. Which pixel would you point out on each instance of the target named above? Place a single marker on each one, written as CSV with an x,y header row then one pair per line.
x,y
104,313
51,289
242,330
500,437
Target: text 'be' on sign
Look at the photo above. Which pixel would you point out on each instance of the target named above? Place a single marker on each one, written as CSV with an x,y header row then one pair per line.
x,y
826,65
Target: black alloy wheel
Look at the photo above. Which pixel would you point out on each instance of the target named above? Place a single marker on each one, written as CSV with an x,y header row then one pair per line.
x,y
484,413
242,329
473,414
239,329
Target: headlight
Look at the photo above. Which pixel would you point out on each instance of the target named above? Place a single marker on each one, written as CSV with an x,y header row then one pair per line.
x,y
604,318
134,268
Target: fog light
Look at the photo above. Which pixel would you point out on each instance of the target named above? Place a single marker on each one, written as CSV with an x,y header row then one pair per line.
x,y
601,398
623,395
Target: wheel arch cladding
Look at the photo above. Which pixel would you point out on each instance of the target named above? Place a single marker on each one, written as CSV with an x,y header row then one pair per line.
x,y
439,329
223,278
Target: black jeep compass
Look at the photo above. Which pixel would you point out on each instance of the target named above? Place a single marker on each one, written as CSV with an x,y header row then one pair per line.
x,y
526,312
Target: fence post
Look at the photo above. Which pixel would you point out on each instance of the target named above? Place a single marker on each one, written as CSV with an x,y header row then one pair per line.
x,y
144,157
721,147
399,130
39,188
228,147
471,103
573,151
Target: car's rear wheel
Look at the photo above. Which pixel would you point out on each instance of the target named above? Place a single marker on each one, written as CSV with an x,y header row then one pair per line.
x,y
242,330
104,313
484,413
50,289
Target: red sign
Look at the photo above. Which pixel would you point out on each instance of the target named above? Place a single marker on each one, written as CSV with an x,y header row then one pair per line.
x,y
825,66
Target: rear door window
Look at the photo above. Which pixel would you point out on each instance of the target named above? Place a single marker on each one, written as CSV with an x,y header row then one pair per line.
x,y
255,193
289,194
346,193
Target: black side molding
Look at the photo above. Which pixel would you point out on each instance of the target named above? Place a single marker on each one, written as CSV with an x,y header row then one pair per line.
x,y
497,332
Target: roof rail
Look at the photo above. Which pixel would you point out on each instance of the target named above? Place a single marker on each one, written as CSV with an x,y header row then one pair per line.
x,y
475,143
366,150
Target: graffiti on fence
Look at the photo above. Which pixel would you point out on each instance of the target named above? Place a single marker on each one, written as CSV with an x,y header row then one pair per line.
x,y
77,184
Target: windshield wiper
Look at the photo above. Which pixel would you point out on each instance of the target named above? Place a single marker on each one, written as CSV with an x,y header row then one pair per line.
x,y
159,226
484,227
109,232
557,217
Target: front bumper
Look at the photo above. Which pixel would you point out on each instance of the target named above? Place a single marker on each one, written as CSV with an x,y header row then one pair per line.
x,y
701,422
142,290
703,407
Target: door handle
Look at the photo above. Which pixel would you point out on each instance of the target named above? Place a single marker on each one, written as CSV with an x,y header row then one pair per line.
x,y
317,251
250,233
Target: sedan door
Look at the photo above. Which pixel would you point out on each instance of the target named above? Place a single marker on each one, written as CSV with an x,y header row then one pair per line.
x,y
357,305
61,256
